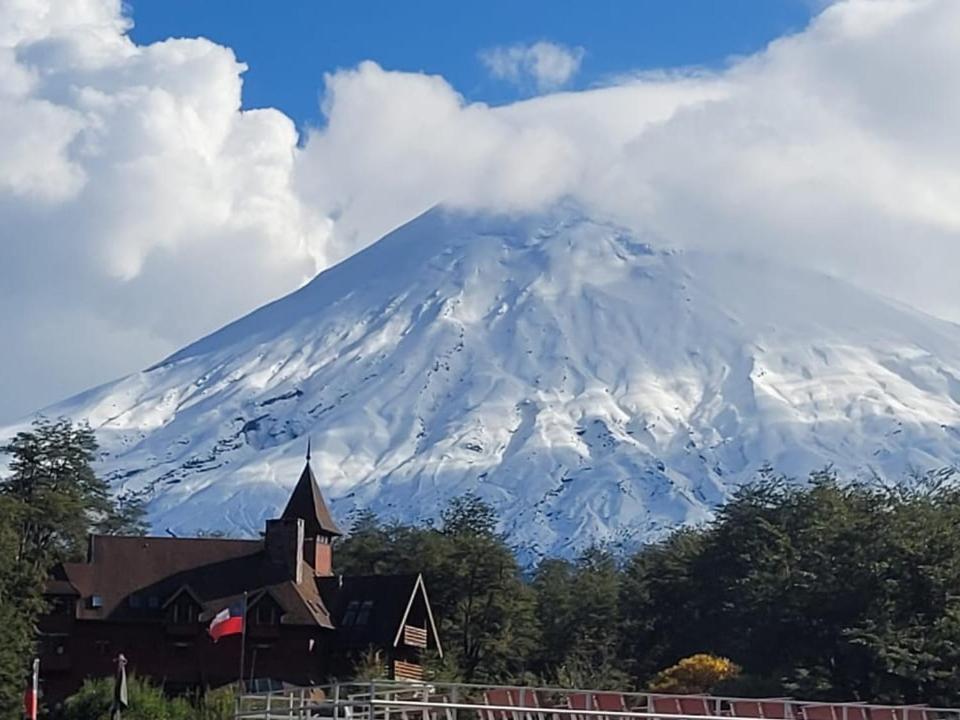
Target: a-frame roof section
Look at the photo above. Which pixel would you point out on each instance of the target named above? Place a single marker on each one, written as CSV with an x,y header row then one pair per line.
x,y
307,503
421,587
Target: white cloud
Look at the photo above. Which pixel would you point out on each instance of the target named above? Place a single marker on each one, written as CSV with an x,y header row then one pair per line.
x,y
135,198
141,208
546,65
833,148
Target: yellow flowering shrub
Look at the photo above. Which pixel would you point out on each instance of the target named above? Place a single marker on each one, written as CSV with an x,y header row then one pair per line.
x,y
698,673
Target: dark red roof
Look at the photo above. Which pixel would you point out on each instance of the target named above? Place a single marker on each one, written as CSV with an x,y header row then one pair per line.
x,y
151,570
307,503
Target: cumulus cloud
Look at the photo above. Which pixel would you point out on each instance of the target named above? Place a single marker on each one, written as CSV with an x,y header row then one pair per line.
x,y
141,207
546,65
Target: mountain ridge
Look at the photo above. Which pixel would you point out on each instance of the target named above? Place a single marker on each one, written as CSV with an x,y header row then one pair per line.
x,y
590,385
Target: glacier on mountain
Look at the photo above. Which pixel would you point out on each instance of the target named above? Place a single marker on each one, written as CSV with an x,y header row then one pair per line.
x,y
591,384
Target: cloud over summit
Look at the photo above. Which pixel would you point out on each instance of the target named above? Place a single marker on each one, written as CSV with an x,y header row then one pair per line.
x,y
141,207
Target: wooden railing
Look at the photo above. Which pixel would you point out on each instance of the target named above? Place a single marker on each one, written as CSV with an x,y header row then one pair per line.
x,y
412,700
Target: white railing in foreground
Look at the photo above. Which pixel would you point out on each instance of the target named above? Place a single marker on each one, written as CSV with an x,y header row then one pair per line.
x,y
403,700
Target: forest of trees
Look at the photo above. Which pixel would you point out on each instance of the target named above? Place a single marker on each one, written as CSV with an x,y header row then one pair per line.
x,y
818,588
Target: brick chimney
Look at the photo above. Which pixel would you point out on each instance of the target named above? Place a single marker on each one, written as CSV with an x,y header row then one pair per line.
x,y
318,552
284,544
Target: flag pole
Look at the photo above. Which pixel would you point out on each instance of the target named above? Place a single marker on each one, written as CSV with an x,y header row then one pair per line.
x,y
34,689
243,640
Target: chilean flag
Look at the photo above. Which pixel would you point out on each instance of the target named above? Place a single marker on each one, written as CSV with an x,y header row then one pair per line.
x,y
228,621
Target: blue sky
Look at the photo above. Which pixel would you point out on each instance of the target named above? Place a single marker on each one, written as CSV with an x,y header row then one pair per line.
x,y
289,45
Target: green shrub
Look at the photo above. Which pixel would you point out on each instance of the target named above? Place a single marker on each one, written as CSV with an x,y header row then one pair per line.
x,y
145,702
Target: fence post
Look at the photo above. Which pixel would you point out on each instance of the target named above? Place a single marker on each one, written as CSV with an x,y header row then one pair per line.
x,y
425,713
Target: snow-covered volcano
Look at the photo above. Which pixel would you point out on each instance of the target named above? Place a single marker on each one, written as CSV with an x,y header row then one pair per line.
x,y
590,385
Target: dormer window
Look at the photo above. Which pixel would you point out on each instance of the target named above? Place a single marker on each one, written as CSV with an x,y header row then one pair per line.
x,y
96,602
184,611
183,608
265,612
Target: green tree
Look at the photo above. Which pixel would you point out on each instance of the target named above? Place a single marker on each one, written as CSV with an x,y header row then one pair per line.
x,y
60,496
658,591
128,517
20,602
596,617
554,593
368,547
489,620
48,503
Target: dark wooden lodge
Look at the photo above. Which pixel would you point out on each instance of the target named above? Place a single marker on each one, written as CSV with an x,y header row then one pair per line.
x,y
152,598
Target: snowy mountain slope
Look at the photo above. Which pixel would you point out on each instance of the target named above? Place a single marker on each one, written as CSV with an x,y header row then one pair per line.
x,y
591,386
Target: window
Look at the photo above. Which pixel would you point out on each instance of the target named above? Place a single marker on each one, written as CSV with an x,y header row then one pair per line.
x,y
357,613
135,601
184,611
364,615
153,602
265,613
96,601
351,614
61,606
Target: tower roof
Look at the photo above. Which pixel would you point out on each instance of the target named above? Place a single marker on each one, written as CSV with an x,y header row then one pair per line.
x,y
307,502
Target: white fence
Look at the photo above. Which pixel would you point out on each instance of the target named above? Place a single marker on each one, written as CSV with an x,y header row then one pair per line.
x,y
396,700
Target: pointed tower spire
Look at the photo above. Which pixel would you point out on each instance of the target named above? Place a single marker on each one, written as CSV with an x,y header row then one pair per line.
x,y
307,503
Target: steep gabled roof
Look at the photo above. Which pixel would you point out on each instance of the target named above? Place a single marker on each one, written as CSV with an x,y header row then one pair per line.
x,y
307,503
388,599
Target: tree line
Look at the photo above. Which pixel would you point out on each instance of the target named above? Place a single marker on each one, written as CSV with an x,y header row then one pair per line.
x,y
819,588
